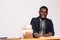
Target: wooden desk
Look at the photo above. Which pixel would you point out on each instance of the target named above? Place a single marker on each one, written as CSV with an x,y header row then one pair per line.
x,y
45,38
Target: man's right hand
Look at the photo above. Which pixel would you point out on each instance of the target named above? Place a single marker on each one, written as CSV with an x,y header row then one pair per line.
x,y
37,35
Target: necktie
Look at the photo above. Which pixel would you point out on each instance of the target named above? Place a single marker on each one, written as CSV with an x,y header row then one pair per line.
x,y
42,27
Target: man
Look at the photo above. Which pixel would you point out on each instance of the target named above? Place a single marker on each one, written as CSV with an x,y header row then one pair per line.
x,y
42,26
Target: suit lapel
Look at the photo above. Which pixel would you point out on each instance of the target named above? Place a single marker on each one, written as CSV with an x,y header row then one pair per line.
x,y
38,20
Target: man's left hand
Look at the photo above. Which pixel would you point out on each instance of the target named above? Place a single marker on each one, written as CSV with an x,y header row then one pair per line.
x,y
48,35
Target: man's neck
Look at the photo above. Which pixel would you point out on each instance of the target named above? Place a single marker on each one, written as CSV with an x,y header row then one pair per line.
x,y
42,19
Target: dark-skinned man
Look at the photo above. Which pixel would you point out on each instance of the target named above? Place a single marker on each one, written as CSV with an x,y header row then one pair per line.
x,y
42,26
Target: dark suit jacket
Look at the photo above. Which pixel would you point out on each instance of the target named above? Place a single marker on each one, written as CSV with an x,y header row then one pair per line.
x,y
35,22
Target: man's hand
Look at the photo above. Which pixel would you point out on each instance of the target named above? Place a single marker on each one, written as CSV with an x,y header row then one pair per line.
x,y
37,35
48,35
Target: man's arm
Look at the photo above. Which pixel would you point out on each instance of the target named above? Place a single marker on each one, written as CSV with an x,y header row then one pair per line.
x,y
35,33
52,28
33,25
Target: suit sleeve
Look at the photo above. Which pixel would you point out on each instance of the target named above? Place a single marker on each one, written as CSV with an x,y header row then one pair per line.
x,y
33,25
52,28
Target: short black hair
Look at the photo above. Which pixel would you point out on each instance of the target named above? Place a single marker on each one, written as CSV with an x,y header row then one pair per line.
x,y
44,8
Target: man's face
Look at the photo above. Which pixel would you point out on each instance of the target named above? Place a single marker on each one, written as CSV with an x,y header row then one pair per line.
x,y
43,13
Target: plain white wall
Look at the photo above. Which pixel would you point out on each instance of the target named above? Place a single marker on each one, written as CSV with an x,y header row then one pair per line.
x,y
16,13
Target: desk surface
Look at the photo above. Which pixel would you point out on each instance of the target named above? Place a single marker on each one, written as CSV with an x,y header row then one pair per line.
x,y
42,38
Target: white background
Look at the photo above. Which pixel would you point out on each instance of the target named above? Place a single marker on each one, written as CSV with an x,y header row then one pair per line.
x,y
16,13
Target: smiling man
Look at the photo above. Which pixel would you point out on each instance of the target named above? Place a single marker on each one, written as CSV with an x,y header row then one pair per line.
x,y
42,26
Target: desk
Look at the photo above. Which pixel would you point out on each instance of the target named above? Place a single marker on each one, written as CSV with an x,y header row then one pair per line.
x,y
42,38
